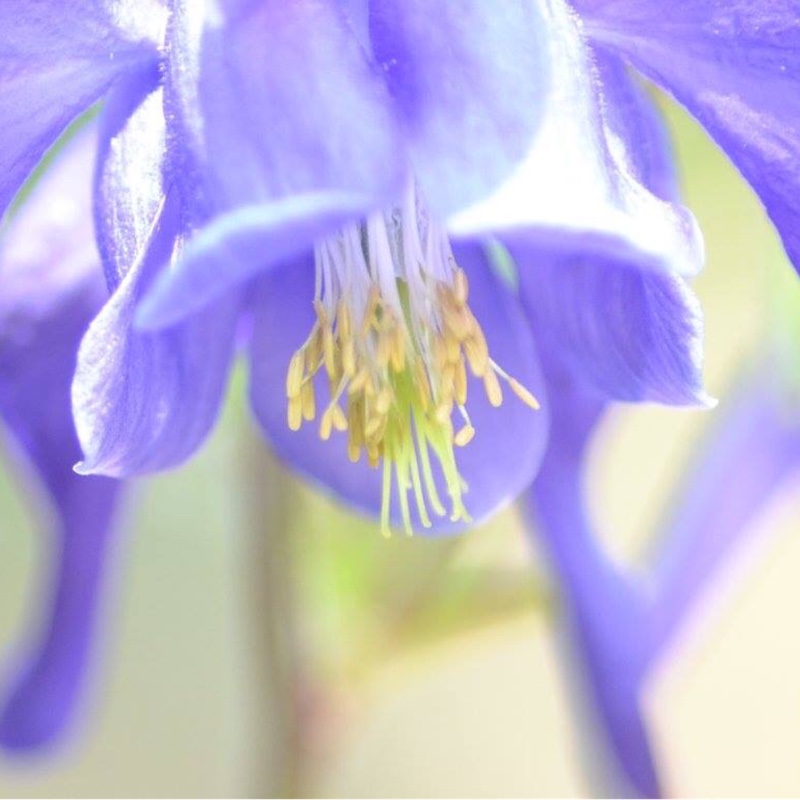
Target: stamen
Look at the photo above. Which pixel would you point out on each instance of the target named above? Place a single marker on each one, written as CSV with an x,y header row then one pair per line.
x,y
523,394
464,436
427,473
492,387
395,335
308,401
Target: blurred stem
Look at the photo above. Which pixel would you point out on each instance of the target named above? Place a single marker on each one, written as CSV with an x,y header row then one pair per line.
x,y
277,752
418,594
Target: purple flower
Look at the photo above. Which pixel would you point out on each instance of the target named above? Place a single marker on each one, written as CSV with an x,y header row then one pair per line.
x,y
358,155
321,191
622,624
327,186
52,286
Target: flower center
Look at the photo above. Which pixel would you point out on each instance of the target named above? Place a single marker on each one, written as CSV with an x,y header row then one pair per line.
x,y
395,335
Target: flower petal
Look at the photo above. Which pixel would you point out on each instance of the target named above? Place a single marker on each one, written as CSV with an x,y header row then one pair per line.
x,y
497,465
46,688
579,188
608,614
129,187
636,123
625,333
469,85
52,284
747,459
57,57
274,99
736,67
236,246
270,189
145,401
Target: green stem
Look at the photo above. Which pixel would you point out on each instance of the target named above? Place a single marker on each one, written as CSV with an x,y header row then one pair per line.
x,y
278,763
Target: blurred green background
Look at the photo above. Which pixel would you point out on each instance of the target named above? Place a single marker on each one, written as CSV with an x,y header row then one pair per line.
x,y
411,667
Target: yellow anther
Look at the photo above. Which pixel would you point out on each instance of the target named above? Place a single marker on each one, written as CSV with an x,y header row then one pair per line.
x,y
373,428
440,356
329,352
355,423
457,319
461,287
384,401
343,319
383,351
321,312
338,418
358,383
464,436
353,451
294,413
308,401
398,351
314,350
460,382
493,389
523,394
453,348
294,375
443,412
348,357
447,381
373,457
477,354
326,425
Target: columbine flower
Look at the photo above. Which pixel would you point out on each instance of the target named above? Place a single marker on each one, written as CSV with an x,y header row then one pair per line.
x,y
52,286
388,135
343,152
621,623
341,209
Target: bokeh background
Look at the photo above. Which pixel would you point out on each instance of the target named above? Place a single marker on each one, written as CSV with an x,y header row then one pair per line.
x,y
328,661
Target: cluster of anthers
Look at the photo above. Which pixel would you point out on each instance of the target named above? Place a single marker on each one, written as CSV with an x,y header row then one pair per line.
x,y
395,335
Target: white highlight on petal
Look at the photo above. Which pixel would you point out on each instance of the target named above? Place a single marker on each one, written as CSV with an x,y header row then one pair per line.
x,y
576,180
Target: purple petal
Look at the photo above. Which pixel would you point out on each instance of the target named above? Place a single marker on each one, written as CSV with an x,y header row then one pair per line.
x,y
736,67
626,333
497,465
289,104
236,246
469,85
580,186
746,461
635,121
52,284
608,615
57,57
47,686
145,401
273,188
129,190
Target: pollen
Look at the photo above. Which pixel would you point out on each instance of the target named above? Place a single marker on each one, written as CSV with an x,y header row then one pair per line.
x,y
395,339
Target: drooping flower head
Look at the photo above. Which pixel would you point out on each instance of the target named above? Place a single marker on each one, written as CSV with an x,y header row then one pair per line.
x,y
319,182
491,124
349,241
